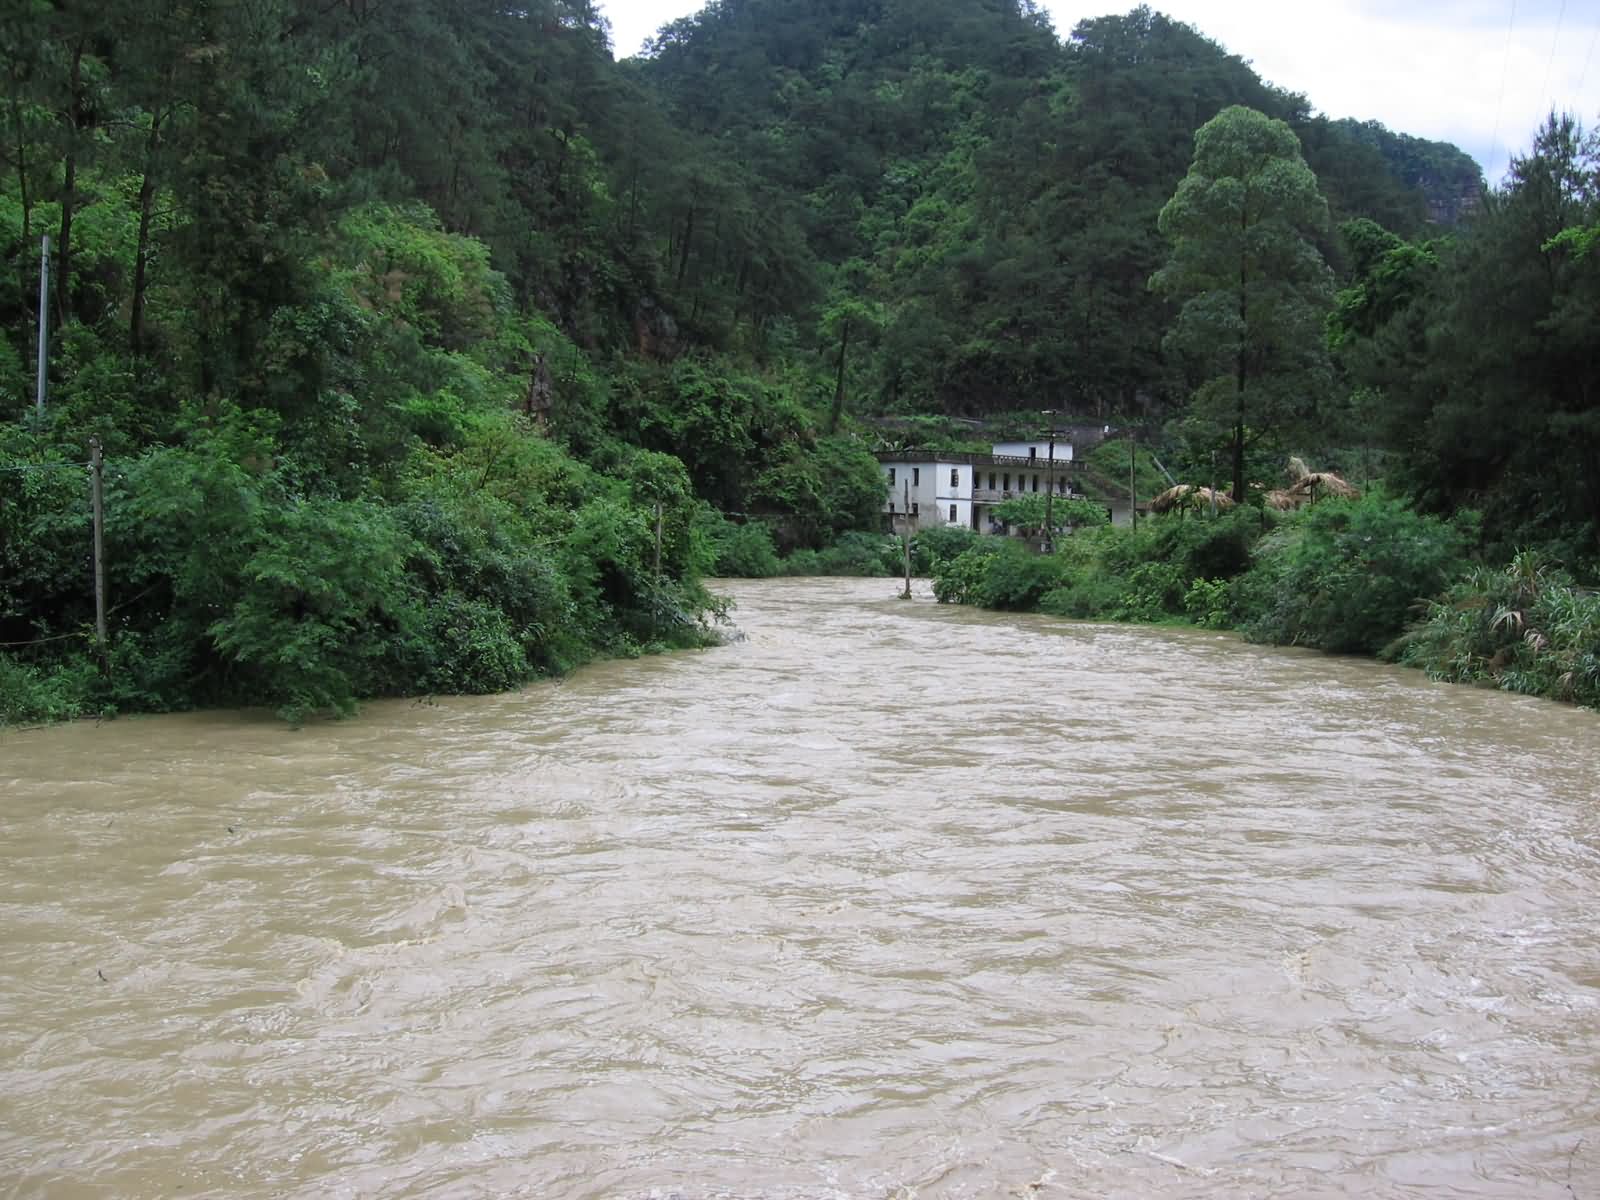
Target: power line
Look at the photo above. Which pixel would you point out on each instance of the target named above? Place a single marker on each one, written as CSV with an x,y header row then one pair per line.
x,y
1505,74
44,467
1587,60
1551,61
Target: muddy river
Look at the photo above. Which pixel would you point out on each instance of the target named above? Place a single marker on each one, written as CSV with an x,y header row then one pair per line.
x,y
889,900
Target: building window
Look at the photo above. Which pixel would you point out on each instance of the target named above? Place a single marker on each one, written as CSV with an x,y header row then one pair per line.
x,y
955,476
916,476
991,481
1006,481
1033,453
915,508
952,514
891,476
1036,483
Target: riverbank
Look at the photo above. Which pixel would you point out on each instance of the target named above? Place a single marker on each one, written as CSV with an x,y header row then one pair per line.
x,y
1368,577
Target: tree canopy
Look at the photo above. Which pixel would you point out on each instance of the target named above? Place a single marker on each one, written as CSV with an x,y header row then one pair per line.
x,y
1252,287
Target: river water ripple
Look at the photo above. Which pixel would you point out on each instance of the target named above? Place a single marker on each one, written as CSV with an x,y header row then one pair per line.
x,y
890,900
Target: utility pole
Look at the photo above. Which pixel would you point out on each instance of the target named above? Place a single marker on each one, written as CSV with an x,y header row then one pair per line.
x,y
97,504
1050,492
905,541
1133,478
44,319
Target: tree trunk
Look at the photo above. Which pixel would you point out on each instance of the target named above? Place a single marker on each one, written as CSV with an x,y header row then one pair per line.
x,y
837,410
141,255
688,237
22,170
69,192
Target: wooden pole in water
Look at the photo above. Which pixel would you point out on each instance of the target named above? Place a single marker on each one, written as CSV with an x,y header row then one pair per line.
x,y
1050,491
905,541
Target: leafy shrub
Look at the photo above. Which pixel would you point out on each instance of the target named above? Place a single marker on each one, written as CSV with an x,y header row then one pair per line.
x,y
1016,579
1524,628
740,551
865,555
1153,592
936,546
1086,597
472,649
1204,547
323,595
35,695
1207,604
961,580
1347,575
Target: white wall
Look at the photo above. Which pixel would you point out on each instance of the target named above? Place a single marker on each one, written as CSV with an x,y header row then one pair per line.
x,y
930,491
1039,448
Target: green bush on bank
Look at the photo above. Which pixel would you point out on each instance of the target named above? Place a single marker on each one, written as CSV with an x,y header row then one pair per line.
x,y
1523,628
858,554
1347,576
1343,576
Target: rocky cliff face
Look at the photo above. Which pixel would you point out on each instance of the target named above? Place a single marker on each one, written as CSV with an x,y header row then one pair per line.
x,y
1448,177
1451,200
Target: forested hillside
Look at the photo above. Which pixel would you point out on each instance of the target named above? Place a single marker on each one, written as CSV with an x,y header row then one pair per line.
x,y
428,346
978,200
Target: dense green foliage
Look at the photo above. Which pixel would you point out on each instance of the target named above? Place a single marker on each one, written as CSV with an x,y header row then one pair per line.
x,y
1348,577
1480,354
1253,290
1369,576
981,196
431,349
1524,628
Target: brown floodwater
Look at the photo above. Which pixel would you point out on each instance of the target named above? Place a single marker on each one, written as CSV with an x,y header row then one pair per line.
x,y
890,900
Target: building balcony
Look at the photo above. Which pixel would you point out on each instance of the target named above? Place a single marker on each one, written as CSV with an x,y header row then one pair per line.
x,y
997,495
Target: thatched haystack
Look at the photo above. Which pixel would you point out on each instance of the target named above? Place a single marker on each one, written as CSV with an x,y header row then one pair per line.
x,y
1323,485
1307,487
1187,498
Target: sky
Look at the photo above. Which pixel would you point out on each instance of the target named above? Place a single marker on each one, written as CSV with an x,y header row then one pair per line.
x,y
1479,73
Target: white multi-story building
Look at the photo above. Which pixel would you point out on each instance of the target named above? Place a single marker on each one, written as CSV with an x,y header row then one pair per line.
x,y
952,488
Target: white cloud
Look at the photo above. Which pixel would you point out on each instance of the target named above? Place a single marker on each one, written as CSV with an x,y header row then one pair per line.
x,y
1461,71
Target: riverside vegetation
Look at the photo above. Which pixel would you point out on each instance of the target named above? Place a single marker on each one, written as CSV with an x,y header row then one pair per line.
x,y
432,350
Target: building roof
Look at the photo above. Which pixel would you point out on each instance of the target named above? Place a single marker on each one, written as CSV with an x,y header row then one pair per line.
x,y
953,457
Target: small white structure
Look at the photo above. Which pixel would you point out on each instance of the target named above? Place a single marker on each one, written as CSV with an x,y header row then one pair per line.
x,y
953,488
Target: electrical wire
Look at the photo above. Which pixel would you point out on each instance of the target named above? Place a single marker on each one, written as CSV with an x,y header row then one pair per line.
x,y
1588,60
1505,74
44,467
1551,61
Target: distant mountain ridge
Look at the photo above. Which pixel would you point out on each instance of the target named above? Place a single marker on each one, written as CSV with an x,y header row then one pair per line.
x,y
977,198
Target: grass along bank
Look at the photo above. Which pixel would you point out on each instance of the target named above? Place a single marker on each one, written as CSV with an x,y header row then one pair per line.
x,y
1367,576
